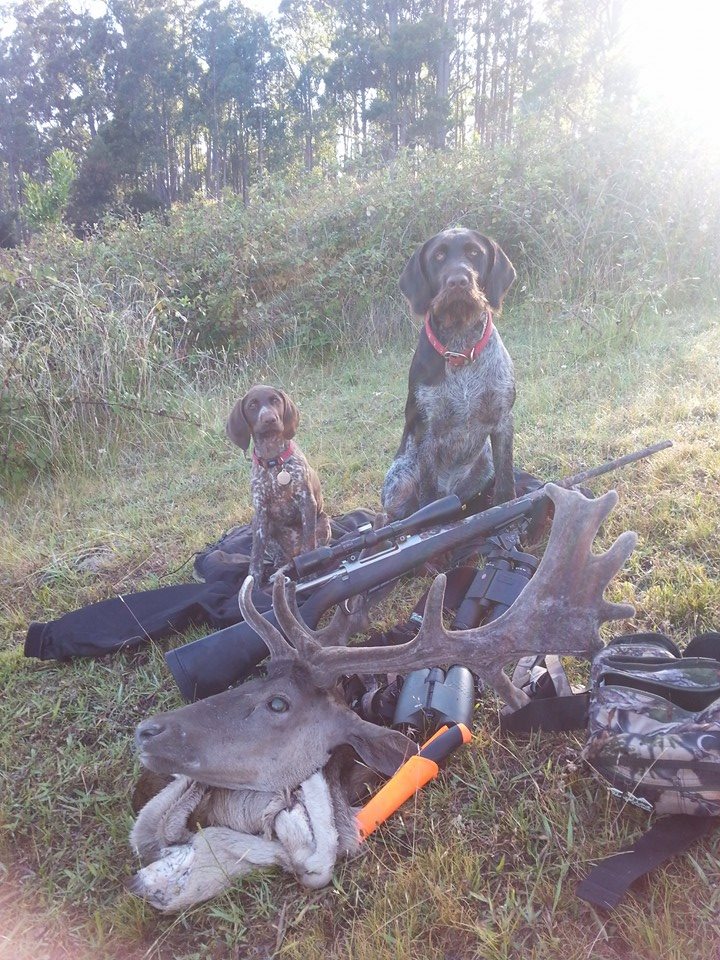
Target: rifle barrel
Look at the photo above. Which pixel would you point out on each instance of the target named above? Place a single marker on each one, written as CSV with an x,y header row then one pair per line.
x,y
614,464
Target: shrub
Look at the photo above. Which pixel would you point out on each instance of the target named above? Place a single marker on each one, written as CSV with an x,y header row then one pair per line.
x,y
45,202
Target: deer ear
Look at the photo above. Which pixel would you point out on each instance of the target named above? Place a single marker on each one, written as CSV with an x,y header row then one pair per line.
x,y
383,750
291,416
237,427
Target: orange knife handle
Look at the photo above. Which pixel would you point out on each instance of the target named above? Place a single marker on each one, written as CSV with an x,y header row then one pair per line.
x,y
412,775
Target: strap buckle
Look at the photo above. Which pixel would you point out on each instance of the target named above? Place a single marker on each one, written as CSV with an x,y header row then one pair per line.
x,y
458,358
628,797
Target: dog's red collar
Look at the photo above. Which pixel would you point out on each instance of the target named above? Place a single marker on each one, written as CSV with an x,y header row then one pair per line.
x,y
460,359
278,461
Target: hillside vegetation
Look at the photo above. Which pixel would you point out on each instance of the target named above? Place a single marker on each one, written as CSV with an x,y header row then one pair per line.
x,y
97,333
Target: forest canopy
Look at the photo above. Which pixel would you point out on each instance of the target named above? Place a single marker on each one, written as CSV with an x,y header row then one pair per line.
x,y
149,102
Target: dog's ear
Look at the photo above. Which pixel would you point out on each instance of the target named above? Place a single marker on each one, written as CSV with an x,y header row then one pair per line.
x,y
500,275
291,416
414,283
237,428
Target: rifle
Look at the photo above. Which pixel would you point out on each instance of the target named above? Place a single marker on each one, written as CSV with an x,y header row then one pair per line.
x,y
221,659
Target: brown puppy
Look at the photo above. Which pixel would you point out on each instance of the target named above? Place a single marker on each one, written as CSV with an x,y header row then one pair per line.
x,y
461,388
289,517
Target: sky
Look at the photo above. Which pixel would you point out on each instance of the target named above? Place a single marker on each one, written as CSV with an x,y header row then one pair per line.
x,y
674,47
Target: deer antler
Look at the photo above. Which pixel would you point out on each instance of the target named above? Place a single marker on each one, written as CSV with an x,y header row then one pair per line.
x,y
275,642
304,642
560,610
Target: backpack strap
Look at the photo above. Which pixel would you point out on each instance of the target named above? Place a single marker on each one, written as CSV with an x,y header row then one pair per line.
x,y
608,881
553,707
706,645
551,715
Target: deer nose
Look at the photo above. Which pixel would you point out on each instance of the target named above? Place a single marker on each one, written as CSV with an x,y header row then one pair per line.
x,y
147,730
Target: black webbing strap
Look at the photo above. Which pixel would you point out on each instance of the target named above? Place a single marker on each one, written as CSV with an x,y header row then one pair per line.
x,y
551,714
608,881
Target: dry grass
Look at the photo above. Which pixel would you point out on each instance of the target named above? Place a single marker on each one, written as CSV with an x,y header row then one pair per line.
x,y
484,864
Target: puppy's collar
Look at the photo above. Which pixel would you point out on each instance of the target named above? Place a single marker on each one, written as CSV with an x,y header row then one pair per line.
x,y
460,359
268,462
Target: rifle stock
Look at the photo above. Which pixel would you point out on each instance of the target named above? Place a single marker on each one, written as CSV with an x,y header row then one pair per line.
x,y
213,663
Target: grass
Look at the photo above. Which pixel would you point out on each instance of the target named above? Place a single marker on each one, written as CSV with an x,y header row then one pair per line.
x,y
484,863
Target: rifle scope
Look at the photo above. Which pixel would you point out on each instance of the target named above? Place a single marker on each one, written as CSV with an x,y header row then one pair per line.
x,y
448,508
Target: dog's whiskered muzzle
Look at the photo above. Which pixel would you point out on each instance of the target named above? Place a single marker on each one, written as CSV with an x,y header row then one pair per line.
x,y
459,305
268,424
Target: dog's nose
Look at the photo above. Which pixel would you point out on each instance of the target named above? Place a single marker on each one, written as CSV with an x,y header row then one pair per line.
x,y
458,280
268,422
268,415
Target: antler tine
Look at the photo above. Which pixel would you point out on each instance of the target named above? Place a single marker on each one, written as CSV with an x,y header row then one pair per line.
x,y
568,562
289,619
271,637
559,611
342,626
607,565
431,646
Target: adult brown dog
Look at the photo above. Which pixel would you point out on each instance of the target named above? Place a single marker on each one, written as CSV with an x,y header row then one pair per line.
x,y
461,388
289,518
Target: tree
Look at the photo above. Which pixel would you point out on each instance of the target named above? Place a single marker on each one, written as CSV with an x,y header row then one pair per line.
x,y
241,65
93,193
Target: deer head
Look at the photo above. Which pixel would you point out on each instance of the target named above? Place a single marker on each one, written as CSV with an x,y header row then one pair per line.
x,y
274,732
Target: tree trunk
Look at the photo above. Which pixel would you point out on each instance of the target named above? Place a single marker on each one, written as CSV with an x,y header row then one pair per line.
x,y
309,158
393,82
442,84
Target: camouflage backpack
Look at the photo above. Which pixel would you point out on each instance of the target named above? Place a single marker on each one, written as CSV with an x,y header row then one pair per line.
x,y
654,724
652,716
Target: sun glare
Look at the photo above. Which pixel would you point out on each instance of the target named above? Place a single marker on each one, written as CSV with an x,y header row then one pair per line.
x,y
674,50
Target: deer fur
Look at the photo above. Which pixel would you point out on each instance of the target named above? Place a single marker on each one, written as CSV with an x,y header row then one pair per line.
x,y
272,734
302,831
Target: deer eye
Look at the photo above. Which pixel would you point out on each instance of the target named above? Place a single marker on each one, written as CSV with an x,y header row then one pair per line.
x,y
278,705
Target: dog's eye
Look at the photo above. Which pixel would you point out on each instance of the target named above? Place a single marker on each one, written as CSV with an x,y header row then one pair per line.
x,y
275,400
439,256
278,705
252,404
473,252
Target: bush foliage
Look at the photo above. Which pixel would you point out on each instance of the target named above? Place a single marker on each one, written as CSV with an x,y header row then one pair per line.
x,y
614,223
